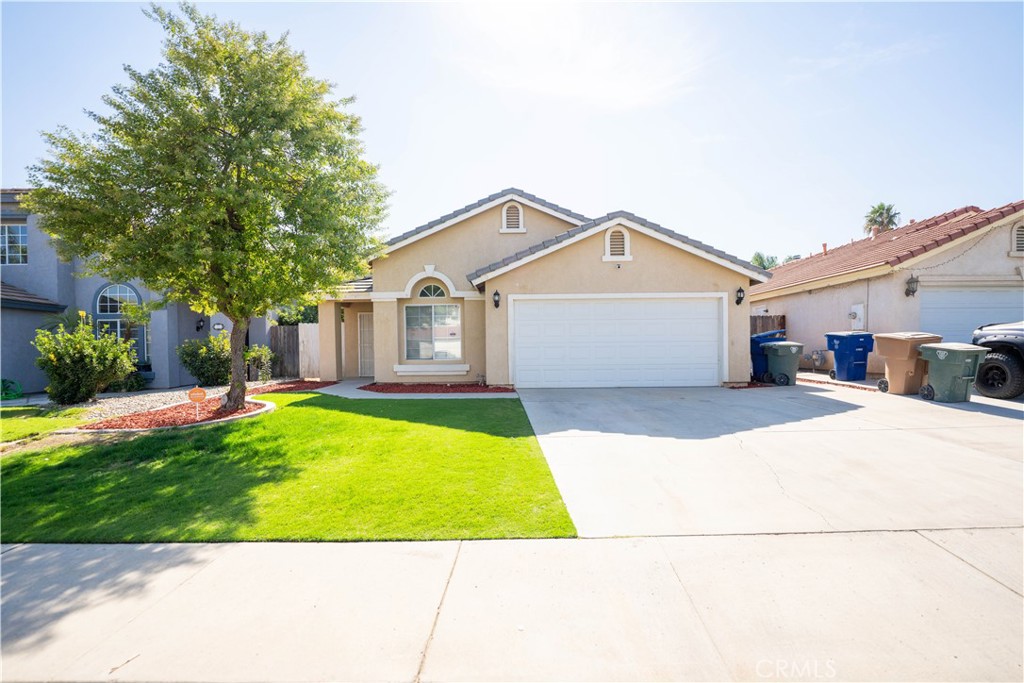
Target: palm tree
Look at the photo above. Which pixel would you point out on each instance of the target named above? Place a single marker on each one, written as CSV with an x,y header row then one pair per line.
x,y
880,218
69,318
764,261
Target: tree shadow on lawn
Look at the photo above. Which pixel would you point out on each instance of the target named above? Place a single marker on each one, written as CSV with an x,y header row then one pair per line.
x,y
44,584
504,418
175,485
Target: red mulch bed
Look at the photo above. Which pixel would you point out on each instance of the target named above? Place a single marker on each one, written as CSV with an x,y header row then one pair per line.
x,y
185,414
435,389
174,416
752,385
298,385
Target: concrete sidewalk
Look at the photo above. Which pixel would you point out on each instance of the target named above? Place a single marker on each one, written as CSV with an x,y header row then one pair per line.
x,y
868,606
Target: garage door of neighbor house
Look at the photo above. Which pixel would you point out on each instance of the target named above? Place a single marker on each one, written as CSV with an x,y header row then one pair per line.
x,y
616,342
955,313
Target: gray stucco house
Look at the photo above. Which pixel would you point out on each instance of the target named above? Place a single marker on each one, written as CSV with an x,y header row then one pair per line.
x,y
36,283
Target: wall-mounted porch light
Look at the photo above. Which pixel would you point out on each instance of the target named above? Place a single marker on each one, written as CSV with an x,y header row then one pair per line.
x,y
496,297
912,283
740,296
200,324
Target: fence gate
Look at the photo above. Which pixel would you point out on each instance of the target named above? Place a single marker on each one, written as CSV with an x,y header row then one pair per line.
x,y
309,350
284,343
766,323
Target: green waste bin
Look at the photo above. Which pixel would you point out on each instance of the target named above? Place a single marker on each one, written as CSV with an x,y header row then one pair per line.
x,y
952,368
783,361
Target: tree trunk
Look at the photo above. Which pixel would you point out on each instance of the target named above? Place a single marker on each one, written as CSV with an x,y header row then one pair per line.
x,y
236,392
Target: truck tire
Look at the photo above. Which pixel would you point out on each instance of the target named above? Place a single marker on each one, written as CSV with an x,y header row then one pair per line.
x,y
1000,375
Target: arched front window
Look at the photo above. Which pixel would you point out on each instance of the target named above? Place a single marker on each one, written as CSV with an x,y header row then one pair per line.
x,y
432,292
110,318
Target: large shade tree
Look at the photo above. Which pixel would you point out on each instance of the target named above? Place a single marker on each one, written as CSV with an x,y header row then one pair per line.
x,y
227,178
881,217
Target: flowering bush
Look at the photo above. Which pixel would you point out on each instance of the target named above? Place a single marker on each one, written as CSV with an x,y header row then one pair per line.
x,y
79,364
208,359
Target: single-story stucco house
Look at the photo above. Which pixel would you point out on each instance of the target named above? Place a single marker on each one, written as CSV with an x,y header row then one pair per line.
x,y
515,290
948,274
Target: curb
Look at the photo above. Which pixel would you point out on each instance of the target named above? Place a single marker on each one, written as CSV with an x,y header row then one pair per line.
x,y
267,407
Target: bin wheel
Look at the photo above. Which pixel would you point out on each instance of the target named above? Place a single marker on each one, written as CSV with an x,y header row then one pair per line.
x,y
927,392
831,374
883,386
767,378
782,379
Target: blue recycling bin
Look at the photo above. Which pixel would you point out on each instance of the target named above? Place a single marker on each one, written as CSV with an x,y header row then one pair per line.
x,y
850,351
758,359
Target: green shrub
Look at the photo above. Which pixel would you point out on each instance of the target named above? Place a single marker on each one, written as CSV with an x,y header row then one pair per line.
x,y
133,382
208,359
260,357
79,364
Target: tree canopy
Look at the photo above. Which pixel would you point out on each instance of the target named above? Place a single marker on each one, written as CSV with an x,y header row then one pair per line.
x,y
764,261
882,217
226,177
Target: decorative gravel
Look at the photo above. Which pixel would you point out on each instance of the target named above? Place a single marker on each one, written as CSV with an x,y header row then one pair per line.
x,y
385,388
115,405
210,409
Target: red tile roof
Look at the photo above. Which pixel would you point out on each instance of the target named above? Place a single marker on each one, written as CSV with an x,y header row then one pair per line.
x,y
889,248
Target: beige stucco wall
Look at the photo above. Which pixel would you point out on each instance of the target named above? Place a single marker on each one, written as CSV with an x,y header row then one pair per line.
x,y
656,267
462,248
809,315
389,321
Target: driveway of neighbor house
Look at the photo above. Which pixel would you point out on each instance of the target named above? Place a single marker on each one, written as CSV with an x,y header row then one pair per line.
x,y
709,587
656,462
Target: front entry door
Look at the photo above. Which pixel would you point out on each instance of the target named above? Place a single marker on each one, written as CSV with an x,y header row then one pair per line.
x,y
366,344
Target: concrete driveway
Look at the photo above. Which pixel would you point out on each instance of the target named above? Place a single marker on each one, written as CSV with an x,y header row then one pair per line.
x,y
650,462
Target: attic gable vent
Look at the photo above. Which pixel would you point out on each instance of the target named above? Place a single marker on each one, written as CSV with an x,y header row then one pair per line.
x,y
512,218
1018,239
616,245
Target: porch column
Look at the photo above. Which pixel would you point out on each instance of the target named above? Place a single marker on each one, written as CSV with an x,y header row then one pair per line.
x,y
330,341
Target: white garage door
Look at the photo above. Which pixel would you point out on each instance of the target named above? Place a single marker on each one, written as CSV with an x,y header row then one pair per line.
x,y
956,313
617,342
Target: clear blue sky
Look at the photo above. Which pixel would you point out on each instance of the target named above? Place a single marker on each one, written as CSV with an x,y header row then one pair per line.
x,y
749,127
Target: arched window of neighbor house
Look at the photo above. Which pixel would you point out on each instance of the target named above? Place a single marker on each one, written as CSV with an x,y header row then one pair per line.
x,y
110,317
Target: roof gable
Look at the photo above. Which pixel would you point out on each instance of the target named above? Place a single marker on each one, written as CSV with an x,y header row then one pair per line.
x,y
887,249
479,206
481,275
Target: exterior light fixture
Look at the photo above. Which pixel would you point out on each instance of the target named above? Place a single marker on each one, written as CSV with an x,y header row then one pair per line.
x,y
740,296
912,283
496,297
217,327
200,324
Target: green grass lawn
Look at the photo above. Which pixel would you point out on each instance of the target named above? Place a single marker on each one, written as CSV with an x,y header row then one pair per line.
x,y
22,422
317,468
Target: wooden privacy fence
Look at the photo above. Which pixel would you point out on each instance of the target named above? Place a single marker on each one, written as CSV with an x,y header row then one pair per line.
x,y
296,350
766,323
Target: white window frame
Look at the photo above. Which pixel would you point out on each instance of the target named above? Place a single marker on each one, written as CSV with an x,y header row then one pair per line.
x,y
504,218
433,341
437,288
141,337
5,256
627,256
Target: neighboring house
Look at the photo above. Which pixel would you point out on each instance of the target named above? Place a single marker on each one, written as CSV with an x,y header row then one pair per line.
x,y
36,283
515,290
947,275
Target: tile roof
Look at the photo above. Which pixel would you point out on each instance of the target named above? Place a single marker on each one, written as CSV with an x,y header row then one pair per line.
x,y
363,284
477,204
888,248
16,297
569,234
